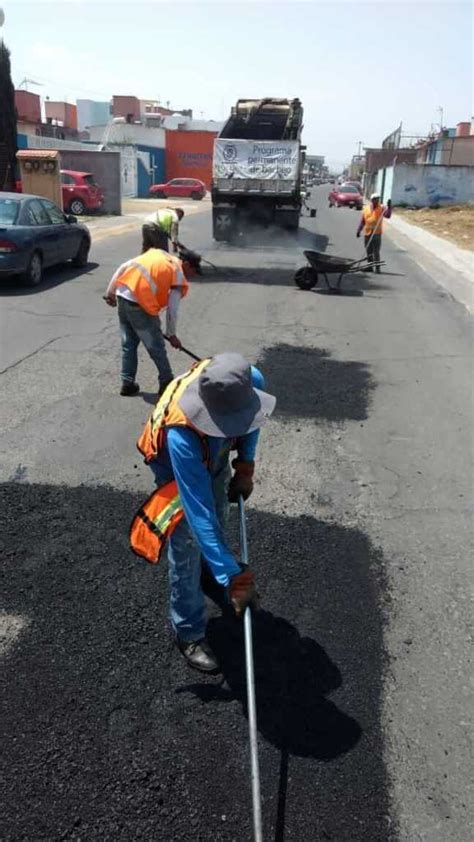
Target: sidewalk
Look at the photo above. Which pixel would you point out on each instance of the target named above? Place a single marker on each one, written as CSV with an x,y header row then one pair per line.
x,y
135,211
450,266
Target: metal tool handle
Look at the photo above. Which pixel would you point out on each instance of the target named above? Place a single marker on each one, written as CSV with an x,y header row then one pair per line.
x,y
251,704
185,350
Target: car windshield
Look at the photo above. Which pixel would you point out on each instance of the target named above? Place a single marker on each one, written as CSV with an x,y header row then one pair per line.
x,y
348,188
9,211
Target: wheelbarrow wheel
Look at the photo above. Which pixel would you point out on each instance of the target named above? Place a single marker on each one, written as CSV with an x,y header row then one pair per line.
x,y
306,278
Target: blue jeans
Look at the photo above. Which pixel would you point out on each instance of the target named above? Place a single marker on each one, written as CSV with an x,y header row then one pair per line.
x,y
137,326
187,605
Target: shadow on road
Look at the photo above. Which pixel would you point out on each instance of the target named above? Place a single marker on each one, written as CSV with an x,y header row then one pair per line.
x,y
53,277
310,383
98,707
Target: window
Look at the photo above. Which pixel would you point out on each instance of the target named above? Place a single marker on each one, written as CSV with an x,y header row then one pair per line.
x,y
67,179
176,182
55,215
9,211
89,180
37,213
348,188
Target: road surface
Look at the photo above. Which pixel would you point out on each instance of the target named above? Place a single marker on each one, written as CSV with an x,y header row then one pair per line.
x,y
359,533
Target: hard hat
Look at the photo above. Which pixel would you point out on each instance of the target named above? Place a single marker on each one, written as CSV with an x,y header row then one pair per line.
x,y
375,196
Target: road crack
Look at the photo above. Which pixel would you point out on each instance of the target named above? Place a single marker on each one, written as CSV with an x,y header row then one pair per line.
x,y
33,353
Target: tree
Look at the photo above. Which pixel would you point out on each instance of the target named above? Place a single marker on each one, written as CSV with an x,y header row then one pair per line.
x,y
8,147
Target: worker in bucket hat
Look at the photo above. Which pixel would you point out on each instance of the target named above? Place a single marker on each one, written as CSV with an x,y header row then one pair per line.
x,y
217,406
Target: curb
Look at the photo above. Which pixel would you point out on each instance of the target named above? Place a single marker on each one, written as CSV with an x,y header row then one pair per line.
x,y
452,267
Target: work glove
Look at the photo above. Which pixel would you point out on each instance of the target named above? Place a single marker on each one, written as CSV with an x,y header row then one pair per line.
x,y
241,482
175,248
110,299
242,592
358,234
174,341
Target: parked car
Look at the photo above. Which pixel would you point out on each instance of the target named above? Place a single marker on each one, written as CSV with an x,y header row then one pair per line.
x,y
36,234
346,195
189,188
81,192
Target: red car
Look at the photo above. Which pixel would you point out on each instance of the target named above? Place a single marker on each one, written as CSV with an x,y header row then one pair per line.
x,y
80,191
346,195
189,188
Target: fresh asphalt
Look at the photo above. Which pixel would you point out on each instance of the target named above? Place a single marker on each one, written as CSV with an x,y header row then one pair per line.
x,y
359,534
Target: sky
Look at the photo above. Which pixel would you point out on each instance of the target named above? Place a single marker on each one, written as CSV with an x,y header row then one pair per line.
x,y
359,68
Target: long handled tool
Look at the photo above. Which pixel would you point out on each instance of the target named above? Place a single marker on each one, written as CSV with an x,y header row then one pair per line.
x,y
185,350
251,705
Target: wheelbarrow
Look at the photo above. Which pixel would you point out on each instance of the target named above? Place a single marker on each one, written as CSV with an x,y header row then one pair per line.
x,y
328,264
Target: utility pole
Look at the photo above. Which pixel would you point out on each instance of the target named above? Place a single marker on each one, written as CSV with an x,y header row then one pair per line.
x,y
360,145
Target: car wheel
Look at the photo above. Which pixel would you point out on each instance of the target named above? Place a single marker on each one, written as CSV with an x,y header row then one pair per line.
x,y
196,196
34,272
159,195
77,207
82,257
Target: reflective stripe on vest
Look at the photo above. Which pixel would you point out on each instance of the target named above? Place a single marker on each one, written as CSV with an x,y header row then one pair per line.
x,y
371,220
155,521
160,514
151,277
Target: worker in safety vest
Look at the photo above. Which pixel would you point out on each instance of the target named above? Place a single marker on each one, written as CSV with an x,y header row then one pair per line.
x,y
142,288
372,224
215,407
161,227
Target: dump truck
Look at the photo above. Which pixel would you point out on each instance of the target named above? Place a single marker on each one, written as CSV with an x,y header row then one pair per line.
x,y
257,166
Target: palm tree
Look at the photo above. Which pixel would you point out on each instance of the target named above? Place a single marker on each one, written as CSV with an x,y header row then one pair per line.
x,y
8,147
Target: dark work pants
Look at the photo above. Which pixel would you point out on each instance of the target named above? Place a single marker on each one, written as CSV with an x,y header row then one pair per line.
x,y
373,246
153,237
137,326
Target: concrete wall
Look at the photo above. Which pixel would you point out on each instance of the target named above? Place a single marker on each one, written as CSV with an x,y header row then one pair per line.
x,y
129,134
422,185
122,106
105,167
92,113
28,106
189,155
63,112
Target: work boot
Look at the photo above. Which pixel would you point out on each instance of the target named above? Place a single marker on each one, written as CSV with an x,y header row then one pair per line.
x,y
128,388
198,654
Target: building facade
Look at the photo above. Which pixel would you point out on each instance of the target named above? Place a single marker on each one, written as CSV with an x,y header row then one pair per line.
x,y
92,113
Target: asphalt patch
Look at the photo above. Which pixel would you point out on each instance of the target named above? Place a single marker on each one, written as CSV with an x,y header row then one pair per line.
x,y
108,735
310,383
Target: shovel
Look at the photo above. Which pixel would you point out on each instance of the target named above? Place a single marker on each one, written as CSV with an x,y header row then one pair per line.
x,y
251,704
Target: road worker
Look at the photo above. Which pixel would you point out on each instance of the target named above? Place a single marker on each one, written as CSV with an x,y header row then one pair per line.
x,y
142,288
161,227
371,224
215,407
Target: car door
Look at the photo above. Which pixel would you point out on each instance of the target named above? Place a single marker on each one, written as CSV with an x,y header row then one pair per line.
x,y
68,234
178,187
44,234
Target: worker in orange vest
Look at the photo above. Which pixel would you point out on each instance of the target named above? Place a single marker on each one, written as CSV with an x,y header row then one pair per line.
x,y
141,288
219,405
372,224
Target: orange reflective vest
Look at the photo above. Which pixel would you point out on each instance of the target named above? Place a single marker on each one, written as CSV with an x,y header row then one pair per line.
x,y
151,277
160,514
371,218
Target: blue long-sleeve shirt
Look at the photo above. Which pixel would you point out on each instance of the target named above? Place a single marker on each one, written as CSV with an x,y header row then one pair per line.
x,y
182,459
